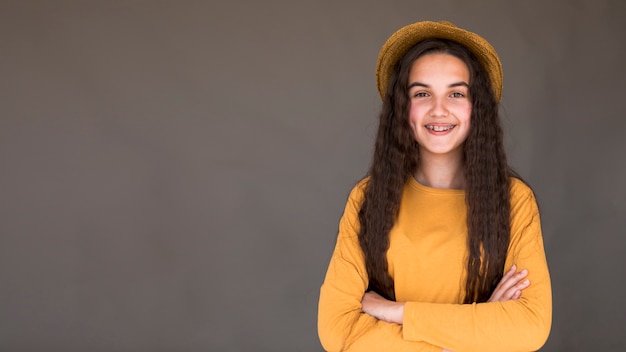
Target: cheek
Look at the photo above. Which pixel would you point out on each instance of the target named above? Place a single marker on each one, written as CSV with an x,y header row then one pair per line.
x,y
412,119
465,113
415,113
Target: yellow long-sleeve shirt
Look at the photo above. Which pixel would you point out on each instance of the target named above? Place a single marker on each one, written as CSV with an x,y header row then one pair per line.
x,y
427,260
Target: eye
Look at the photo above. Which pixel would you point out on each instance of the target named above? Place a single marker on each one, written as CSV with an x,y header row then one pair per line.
x,y
457,95
420,94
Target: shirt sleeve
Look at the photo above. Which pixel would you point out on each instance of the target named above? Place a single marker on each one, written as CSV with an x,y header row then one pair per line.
x,y
515,325
342,326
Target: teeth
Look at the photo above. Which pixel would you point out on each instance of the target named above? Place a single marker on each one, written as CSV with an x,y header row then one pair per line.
x,y
439,128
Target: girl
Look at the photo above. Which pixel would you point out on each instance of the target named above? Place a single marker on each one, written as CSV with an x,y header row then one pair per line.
x,y
440,246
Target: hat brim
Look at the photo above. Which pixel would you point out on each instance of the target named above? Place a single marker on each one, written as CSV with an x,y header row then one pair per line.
x,y
406,37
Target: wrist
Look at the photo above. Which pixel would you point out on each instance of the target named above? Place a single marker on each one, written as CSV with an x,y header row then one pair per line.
x,y
398,313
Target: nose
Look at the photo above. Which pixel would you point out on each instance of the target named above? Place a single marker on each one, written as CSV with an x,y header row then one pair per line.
x,y
439,108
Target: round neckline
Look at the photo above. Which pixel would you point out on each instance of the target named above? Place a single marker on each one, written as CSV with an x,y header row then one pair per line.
x,y
441,191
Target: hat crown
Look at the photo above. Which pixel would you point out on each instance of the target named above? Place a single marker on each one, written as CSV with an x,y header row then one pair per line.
x,y
448,23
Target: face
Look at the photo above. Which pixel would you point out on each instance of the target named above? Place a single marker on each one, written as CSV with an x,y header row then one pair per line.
x,y
440,106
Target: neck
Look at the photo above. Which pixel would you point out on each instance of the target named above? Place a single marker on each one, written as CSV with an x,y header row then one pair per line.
x,y
440,172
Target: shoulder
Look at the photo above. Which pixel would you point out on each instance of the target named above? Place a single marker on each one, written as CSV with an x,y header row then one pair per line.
x,y
520,191
523,201
358,191
349,223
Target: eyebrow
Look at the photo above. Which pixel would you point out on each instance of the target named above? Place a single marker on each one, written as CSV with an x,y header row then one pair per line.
x,y
457,84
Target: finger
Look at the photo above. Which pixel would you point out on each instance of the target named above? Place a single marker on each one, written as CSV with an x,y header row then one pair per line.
x,y
514,279
505,287
509,281
507,276
517,295
499,287
516,291
520,285
509,273
511,269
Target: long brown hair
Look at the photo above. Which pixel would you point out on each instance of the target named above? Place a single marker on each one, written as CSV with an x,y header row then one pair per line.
x,y
487,175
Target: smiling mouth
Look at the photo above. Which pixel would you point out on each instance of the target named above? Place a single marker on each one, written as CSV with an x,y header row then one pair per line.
x,y
440,128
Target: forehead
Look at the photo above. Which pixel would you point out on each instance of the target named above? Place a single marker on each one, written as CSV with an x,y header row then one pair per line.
x,y
441,65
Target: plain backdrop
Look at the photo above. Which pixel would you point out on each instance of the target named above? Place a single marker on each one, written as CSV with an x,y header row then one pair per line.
x,y
173,172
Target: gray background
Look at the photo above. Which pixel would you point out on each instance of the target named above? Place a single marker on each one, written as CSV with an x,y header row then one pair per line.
x,y
173,172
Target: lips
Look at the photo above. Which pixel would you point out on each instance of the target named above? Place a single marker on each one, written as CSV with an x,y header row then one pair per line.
x,y
438,128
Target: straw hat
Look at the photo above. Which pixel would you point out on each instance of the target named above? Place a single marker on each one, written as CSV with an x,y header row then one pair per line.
x,y
406,37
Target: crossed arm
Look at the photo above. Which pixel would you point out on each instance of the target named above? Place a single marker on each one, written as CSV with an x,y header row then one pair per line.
x,y
517,316
509,288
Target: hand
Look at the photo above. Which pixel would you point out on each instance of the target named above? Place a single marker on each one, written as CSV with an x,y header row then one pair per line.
x,y
511,286
382,308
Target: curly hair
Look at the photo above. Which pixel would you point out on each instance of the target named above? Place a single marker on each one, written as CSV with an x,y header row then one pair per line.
x,y
487,177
